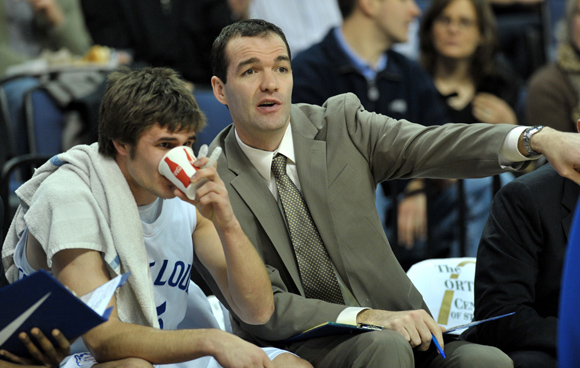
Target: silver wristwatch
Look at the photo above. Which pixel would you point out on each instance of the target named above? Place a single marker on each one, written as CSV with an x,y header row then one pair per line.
x,y
528,133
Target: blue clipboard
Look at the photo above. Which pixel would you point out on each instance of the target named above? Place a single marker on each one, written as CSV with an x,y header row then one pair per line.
x,y
40,300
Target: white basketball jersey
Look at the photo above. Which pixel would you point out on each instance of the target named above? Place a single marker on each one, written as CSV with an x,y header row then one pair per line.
x,y
170,249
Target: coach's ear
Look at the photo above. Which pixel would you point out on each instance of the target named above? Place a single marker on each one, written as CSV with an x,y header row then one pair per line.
x,y
219,90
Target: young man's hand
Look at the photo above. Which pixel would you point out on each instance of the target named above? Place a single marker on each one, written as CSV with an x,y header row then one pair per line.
x,y
43,352
211,197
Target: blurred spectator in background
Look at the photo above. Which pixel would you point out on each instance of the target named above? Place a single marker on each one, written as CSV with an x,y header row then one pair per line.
x,y
357,57
553,91
169,33
458,41
27,27
304,22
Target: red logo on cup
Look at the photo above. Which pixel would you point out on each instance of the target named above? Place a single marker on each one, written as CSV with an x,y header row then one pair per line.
x,y
189,157
178,172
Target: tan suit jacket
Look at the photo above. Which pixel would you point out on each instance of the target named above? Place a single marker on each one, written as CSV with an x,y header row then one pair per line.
x,y
342,152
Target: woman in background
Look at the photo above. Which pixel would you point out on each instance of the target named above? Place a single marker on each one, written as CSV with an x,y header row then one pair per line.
x,y
458,41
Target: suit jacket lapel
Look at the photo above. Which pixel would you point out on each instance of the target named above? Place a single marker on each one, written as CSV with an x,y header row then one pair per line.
x,y
312,170
252,188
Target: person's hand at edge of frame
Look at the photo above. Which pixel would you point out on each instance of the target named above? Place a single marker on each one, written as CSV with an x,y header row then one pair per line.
x,y
43,352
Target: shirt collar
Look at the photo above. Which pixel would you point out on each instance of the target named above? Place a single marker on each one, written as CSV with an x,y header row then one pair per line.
x,y
358,62
262,160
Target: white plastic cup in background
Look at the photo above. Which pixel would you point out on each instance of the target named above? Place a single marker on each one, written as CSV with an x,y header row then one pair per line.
x,y
177,166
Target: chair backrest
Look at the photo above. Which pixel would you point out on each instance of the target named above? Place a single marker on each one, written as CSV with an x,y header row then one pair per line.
x,y
1,222
45,121
14,172
3,280
10,177
447,288
6,143
218,116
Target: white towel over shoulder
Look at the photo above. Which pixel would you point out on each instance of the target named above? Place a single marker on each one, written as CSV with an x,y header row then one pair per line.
x,y
80,199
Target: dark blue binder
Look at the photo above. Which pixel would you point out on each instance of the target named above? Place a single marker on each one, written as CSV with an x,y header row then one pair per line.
x,y
40,300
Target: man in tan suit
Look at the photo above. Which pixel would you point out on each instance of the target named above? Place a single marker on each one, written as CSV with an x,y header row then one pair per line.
x,y
336,155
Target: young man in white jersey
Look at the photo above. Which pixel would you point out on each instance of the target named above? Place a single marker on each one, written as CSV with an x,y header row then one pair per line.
x,y
97,211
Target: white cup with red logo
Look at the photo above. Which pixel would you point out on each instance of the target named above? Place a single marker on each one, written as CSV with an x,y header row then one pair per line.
x,y
177,166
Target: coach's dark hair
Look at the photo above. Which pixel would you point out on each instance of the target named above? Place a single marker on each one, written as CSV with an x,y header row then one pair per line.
x,y
243,28
135,100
